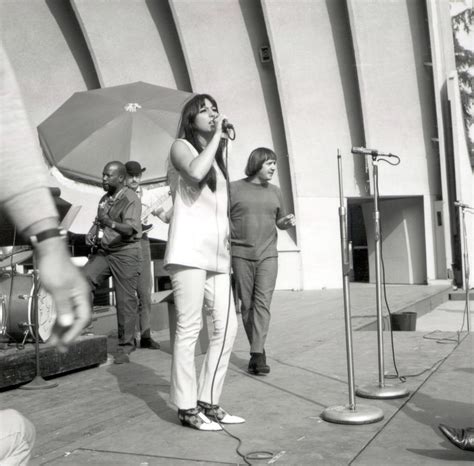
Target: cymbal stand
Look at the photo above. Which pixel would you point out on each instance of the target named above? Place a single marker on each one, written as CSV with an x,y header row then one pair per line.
x,y
352,413
380,390
38,383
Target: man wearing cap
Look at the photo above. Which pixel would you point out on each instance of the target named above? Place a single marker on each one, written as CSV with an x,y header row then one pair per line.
x,y
144,285
118,252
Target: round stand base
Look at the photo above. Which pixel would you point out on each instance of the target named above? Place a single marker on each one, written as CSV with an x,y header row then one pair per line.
x,y
360,414
38,383
383,393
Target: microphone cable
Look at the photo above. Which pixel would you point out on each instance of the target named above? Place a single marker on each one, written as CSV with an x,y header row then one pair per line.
x,y
403,378
231,134
260,455
394,164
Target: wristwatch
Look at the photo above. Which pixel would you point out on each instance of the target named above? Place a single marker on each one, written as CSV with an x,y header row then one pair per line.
x,y
46,234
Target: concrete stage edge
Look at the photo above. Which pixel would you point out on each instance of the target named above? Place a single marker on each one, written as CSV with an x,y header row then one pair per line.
x,y
120,414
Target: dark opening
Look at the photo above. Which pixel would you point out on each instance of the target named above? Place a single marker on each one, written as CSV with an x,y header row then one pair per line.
x,y
357,236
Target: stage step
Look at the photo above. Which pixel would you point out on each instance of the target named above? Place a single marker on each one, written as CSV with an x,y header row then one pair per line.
x,y
18,366
421,307
460,295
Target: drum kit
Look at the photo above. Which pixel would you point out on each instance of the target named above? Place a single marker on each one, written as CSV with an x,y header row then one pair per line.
x,y
27,311
20,295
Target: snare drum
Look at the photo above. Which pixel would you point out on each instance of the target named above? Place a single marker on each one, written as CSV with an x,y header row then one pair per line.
x,y
17,314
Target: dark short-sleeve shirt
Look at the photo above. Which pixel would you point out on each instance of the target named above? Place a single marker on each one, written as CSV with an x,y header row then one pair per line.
x,y
254,211
126,208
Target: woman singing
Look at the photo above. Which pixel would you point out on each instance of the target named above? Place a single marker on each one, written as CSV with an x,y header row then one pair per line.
x,y
198,260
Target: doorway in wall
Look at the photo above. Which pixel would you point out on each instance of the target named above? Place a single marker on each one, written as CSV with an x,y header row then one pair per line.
x,y
403,242
358,239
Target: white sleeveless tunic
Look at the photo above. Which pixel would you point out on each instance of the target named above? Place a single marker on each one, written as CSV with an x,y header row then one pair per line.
x,y
199,229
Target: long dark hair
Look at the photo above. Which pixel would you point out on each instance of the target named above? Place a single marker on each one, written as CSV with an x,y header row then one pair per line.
x,y
186,130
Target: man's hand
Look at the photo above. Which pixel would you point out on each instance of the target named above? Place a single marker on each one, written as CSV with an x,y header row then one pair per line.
x,y
162,214
89,240
286,222
91,235
103,218
69,289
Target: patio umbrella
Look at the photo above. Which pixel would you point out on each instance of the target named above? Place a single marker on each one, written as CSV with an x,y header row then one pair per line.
x,y
136,121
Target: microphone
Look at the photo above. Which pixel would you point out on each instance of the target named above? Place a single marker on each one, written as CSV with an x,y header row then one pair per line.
x,y
372,152
460,204
226,125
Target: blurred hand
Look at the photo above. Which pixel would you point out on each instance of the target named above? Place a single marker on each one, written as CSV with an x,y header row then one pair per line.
x,y
91,235
218,123
69,289
162,214
158,211
89,240
103,218
286,222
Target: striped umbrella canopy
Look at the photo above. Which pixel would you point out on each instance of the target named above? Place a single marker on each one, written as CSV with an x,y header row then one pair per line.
x,y
136,121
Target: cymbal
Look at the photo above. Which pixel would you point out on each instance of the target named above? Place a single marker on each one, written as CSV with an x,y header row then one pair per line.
x,y
15,258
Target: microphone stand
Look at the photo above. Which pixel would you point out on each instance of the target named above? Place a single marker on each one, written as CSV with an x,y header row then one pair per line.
x,y
381,390
38,383
351,414
465,259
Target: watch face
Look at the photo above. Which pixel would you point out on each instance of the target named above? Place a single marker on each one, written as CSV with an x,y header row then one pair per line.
x,y
46,314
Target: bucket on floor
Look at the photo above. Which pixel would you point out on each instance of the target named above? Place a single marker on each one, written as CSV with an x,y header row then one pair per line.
x,y
403,321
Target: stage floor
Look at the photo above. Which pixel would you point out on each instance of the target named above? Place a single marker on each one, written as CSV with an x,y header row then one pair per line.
x,y
118,414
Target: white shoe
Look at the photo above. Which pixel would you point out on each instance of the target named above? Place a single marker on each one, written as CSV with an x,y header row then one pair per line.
x,y
230,419
197,420
218,414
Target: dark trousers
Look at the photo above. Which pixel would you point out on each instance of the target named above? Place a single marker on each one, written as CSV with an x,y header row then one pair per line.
x,y
144,291
254,283
124,267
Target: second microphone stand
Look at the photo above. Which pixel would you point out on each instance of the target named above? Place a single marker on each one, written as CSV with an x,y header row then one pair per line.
x,y
463,208
379,390
352,413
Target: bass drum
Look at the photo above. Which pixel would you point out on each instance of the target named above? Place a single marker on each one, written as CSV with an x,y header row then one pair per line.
x,y
16,295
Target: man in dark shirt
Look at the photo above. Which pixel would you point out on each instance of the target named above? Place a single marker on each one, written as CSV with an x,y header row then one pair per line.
x,y
118,252
144,286
256,212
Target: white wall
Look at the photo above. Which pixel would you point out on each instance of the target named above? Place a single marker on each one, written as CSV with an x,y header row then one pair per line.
x,y
50,66
220,41
126,44
443,62
463,169
338,78
403,246
391,45
318,91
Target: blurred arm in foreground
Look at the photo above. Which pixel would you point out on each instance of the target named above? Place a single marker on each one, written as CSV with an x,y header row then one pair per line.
x,y
26,199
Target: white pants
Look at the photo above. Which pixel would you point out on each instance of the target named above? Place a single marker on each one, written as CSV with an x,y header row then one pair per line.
x,y
17,437
192,288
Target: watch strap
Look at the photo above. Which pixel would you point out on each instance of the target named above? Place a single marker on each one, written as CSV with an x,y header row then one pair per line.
x,y
46,234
